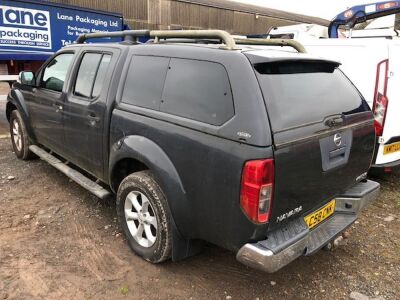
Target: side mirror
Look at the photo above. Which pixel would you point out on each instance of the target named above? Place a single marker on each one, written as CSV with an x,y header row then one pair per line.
x,y
26,77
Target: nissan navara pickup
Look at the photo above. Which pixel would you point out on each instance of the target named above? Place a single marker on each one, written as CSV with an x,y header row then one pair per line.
x,y
204,138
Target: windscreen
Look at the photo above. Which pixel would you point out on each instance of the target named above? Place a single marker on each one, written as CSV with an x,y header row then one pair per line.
x,y
298,93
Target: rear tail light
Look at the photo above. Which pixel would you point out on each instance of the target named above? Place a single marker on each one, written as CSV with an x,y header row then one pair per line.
x,y
257,189
380,99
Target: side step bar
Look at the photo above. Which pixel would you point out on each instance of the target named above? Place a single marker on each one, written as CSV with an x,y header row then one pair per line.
x,y
79,178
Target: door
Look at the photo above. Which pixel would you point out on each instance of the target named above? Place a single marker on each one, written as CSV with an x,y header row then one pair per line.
x,y
46,103
389,76
84,111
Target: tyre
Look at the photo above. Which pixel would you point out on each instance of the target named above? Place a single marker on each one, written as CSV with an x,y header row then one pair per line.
x,y
19,136
144,217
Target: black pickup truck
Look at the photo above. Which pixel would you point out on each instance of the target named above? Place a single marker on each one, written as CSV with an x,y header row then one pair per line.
x,y
204,138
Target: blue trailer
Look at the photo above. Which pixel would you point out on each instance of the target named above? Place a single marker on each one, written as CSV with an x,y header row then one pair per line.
x,y
31,31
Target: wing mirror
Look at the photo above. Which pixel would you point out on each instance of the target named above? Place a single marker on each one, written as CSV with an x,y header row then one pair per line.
x,y
26,77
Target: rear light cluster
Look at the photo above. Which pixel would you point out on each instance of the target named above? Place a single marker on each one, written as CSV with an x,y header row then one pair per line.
x,y
380,98
257,189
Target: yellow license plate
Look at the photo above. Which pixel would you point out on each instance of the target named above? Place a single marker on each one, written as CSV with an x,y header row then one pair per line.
x,y
320,215
391,148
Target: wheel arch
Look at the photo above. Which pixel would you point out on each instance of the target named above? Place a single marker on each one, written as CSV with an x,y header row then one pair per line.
x,y
138,153
9,108
15,100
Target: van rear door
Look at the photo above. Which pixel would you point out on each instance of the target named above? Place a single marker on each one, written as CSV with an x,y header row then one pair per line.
x,y
389,148
323,132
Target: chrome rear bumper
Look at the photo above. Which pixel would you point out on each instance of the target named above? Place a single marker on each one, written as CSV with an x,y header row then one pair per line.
x,y
295,239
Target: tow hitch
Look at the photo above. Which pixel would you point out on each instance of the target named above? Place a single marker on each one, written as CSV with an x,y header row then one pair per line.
x,y
339,241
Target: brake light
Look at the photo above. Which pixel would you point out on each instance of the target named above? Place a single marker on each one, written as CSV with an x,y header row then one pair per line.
x,y
257,189
380,99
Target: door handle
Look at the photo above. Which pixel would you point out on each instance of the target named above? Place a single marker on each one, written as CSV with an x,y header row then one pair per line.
x,y
58,107
93,119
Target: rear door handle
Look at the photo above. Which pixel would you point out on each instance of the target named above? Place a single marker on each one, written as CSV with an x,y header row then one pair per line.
x,y
93,119
58,107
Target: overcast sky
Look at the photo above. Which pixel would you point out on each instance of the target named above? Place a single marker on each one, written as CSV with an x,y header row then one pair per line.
x,y
318,8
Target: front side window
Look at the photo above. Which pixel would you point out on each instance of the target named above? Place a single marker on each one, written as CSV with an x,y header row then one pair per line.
x,y
91,74
56,71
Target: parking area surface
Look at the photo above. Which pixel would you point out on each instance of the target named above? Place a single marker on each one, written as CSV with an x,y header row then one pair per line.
x,y
58,241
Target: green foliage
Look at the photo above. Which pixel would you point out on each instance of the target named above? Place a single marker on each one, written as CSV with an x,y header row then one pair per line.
x,y
124,290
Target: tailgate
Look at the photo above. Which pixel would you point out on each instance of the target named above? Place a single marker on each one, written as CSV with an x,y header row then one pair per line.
x,y
323,134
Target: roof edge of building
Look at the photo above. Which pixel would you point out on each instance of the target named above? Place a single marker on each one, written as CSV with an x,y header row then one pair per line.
x,y
259,10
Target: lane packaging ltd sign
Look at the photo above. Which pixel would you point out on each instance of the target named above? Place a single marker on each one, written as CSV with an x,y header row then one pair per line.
x,y
22,27
42,27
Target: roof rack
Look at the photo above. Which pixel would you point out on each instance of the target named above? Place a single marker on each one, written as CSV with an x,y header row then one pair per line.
x,y
273,42
128,35
225,37
131,35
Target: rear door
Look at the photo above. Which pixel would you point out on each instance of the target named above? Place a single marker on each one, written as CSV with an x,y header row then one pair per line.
x,y
389,148
323,133
85,107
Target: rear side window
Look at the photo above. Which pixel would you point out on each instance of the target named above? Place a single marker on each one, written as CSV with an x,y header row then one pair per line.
x,y
145,81
302,92
91,74
101,75
198,90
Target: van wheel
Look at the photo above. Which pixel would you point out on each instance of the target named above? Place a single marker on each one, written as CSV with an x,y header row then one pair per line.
x,y
144,217
19,137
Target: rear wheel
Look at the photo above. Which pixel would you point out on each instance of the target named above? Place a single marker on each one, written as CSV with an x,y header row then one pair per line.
x,y
19,136
144,216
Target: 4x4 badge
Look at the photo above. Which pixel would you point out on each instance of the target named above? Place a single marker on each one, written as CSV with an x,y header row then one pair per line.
x,y
337,139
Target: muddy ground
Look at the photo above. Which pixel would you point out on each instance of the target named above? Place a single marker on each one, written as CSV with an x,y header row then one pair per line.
x,y
58,241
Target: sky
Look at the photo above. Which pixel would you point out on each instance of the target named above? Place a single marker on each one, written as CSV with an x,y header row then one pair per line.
x,y
318,8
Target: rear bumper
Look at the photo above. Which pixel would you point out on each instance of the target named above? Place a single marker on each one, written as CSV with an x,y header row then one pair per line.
x,y
286,244
387,165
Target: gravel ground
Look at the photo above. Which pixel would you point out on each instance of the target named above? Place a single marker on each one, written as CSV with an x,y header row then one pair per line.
x,y
58,241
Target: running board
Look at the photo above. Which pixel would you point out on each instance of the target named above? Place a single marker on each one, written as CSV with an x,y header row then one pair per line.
x,y
76,176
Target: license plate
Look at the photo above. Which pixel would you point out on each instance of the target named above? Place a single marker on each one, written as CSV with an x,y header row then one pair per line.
x,y
391,148
320,215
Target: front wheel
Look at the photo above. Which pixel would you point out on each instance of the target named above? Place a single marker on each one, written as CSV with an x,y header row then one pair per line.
x,y
19,136
144,217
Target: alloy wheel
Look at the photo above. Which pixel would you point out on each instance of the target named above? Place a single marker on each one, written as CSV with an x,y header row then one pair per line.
x,y
140,218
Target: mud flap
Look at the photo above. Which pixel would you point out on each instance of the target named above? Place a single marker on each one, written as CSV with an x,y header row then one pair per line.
x,y
183,248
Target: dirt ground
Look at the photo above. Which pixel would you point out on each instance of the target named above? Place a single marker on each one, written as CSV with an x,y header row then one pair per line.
x,y
58,241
